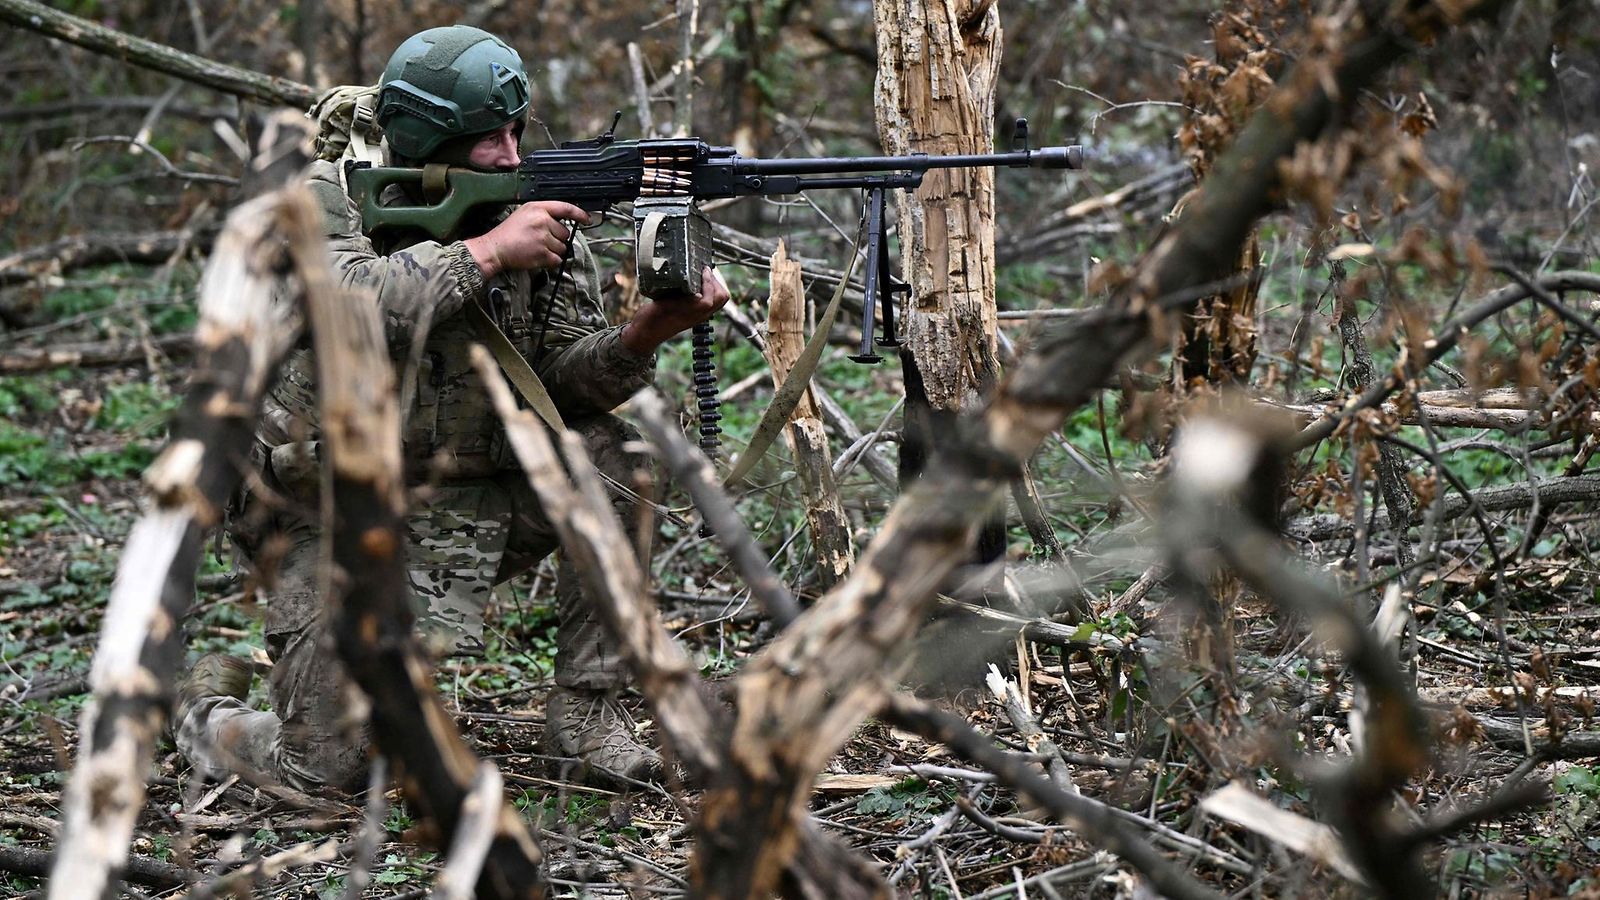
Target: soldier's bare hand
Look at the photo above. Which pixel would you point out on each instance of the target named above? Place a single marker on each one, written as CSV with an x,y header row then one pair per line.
x,y
663,317
532,237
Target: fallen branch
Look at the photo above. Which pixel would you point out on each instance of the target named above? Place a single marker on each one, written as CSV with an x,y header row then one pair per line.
x,y
99,249
1089,818
1572,745
137,869
21,360
1576,489
139,51
1237,804
691,469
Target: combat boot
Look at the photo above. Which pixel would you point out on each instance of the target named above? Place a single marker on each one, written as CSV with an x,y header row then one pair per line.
x,y
593,727
213,675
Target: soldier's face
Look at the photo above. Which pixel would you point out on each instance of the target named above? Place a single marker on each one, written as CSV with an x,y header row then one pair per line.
x,y
496,151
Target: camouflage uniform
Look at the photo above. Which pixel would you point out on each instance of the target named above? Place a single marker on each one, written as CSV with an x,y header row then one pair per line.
x,y
478,523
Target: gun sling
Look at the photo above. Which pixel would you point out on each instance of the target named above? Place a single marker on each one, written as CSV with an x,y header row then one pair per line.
x,y
521,375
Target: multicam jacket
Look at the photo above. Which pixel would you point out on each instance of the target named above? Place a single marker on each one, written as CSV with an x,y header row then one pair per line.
x,y
421,287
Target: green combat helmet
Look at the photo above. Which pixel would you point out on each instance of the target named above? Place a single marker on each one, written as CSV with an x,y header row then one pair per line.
x,y
449,82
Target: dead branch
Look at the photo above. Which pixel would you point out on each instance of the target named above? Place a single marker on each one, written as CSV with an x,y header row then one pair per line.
x,y
1239,805
137,869
365,850
480,812
1010,698
21,360
270,89
830,527
80,251
689,466
693,732
1445,339
368,594
244,331
1572,745
1091,819
1214,478
871,456
1522,495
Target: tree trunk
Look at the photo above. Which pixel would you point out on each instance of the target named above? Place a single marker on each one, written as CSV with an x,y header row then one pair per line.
x,y
830,527
937,67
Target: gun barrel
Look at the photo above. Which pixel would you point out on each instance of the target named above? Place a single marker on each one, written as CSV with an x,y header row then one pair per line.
x,y
1043,158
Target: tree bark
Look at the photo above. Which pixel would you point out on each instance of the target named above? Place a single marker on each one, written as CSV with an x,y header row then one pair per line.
x,y
830,527
937,67
368,595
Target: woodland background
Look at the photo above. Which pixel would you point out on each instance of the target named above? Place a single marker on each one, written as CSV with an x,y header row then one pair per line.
x,y
1474,159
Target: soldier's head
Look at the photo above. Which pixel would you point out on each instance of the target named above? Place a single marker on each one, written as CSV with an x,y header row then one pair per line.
x,y
456,95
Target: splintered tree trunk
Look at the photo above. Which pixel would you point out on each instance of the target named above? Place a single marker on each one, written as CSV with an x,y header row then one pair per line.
x,y
937,66
247,323
367,596
830,527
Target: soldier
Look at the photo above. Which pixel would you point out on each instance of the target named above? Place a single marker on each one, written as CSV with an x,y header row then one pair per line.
x,y
454,95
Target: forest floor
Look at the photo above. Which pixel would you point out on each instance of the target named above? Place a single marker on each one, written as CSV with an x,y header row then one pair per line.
x,y
73,440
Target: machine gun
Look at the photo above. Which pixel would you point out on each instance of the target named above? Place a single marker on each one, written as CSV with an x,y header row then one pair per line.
x,y
665,179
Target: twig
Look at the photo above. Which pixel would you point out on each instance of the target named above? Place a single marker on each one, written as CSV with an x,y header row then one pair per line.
x,y
372,831
167,166
476,830
690,468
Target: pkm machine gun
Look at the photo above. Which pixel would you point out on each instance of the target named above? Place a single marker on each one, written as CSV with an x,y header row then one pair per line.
x,y
666,179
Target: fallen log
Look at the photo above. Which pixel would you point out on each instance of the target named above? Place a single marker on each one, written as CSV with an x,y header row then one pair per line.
x,y
1509,735
143,870
23,360
83,250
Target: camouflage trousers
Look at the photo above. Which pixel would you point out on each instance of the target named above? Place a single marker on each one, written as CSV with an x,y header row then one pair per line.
x,y
465,538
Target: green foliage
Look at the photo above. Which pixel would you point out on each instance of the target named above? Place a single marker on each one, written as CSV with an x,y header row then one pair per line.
x,y
910,800
399,819
397,869
549,810
35,395
1027,286
137,408
77,300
